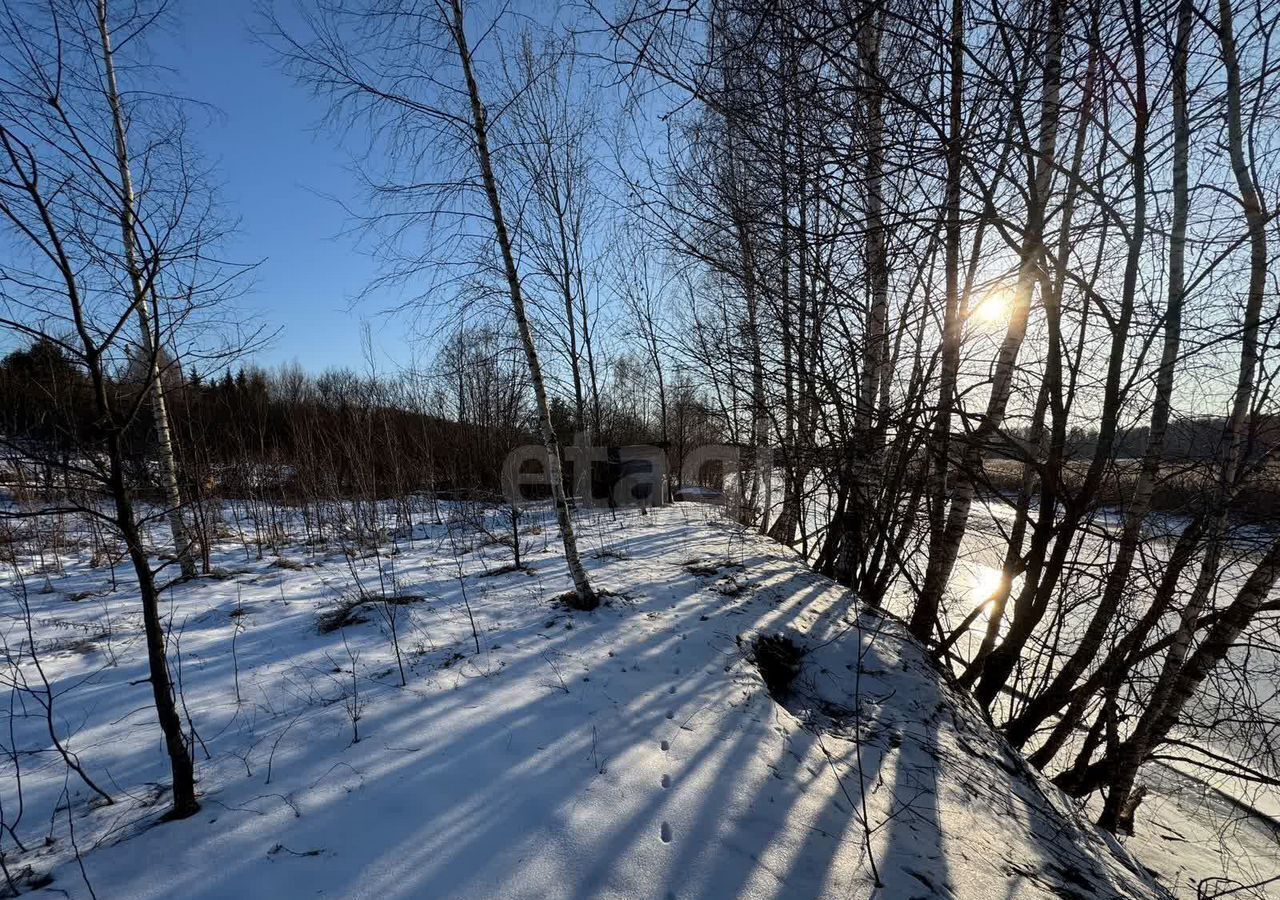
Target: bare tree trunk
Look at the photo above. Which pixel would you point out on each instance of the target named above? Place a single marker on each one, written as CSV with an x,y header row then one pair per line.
x,y
945,548
1119,767
585,313
1178,682
1127,651
1012,565
1043,573
586,598
759,421
1057,693
1046,443
565,277
181,763
742,223
867,451
182,766
784,526
942,556
142,298
875,344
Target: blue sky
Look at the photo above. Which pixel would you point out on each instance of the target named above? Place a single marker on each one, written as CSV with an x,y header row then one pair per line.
x,y
274,167
285,177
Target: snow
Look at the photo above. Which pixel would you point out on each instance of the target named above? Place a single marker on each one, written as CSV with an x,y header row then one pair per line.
x,y
1203,842
629,752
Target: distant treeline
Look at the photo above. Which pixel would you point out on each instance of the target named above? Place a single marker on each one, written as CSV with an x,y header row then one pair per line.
x,y
293,436
336,434
1189,438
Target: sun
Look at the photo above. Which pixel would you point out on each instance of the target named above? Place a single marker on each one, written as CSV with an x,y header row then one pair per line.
x,y
992,308
985,584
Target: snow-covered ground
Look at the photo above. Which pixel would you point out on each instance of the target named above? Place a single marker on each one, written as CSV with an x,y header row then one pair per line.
x,y
629,752
1203,842
1207,833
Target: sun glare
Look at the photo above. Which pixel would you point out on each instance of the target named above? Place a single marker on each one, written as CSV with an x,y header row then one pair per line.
x,y
992,308
985,584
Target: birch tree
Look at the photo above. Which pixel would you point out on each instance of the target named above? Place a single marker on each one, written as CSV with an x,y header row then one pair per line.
x,y
143,300
88,260
411,70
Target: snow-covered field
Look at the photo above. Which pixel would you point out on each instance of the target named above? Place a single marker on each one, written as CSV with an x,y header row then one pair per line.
x,y
629,752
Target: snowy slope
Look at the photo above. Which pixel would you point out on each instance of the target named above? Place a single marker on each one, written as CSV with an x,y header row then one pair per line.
x,y
629,752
